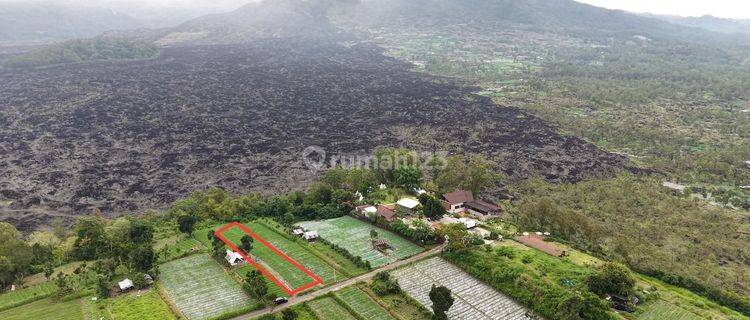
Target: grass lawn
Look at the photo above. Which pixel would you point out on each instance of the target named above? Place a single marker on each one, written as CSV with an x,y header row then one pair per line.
x,y
45,309
329,309
147,306
201,289
22,296
354,236
360,302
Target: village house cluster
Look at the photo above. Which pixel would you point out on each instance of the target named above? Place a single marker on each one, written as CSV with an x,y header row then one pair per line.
x,y
461,205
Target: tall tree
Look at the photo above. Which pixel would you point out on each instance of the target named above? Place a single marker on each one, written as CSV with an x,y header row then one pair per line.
x,y
246,243
15,255
408,178
256,285
431,207
442,300
612,278
187,223
91,242
143,257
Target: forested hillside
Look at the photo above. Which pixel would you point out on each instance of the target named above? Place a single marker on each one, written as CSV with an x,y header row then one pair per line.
x,y
72,51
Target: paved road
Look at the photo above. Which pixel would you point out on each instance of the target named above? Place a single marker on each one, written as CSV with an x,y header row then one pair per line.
x,y
340,285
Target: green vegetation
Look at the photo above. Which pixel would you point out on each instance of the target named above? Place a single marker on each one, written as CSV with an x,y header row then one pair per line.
x,y
201,289
290,274
176,247
26,295
400,305
354,236
328,308
551,287
15,255
635,220
442,301
43,309
362,304
146,306
663,310
80,50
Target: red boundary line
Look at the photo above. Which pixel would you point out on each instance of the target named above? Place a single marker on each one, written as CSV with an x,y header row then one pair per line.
x,y
219,233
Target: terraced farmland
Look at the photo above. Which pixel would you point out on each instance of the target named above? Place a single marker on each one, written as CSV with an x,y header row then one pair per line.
x,y
21,296
359,301
473,299
354,236
45,309
664,310
201,289
329,309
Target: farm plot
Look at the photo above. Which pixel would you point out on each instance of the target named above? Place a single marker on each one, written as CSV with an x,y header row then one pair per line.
x,y
354,236
664,310
275,265
296,251
473,299
328,309
147,306
293,276
176,247
200,288
45,309
22,296
365,307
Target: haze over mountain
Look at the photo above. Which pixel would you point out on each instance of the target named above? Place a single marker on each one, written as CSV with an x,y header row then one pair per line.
x,y
36,22
710,23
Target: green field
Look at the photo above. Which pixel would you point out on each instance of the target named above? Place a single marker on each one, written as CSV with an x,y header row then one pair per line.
x,y
316,257
290,274
345,268
201,289
365,307
176,246
21,296
147,306
664,310
329,309
45,309
354,236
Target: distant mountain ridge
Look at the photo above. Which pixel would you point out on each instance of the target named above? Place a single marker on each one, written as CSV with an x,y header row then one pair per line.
x,y
256,20
707,22
557,16
45,22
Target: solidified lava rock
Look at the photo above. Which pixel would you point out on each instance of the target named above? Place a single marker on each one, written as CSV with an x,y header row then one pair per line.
x,y
128,136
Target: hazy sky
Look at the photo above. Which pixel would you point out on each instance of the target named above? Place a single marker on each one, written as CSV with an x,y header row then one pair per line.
x,y
738,9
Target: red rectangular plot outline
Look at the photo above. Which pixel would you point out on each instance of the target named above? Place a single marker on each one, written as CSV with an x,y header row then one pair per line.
x,y
219,233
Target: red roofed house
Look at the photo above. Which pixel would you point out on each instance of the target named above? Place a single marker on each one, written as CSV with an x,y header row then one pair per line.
x,y
458,199
387,212
462,201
